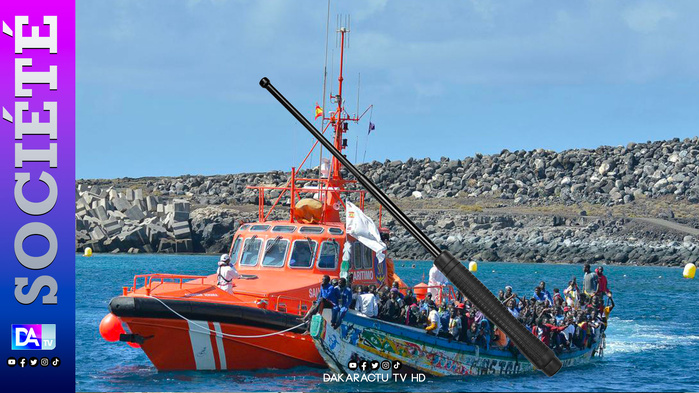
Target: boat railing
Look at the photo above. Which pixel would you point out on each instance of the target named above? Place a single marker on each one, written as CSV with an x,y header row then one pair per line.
x,y
160,278
445,292
322,189
303,304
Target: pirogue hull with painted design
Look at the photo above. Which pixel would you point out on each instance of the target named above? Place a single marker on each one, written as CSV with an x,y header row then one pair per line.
x,y
360,338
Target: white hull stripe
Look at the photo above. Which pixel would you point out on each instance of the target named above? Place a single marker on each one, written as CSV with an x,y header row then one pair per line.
x,y
219,346
201,345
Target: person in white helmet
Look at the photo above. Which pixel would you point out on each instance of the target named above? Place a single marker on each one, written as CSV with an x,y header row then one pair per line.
x,y
226,274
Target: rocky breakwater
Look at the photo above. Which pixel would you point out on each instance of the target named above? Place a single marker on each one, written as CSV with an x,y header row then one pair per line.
x,y
126,220
606,175
545,238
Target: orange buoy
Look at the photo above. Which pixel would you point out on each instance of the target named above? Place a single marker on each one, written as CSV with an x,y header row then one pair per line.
x,y
134,345
110,328
420,290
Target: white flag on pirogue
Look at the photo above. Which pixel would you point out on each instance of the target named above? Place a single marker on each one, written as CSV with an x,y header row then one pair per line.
x,y
363,229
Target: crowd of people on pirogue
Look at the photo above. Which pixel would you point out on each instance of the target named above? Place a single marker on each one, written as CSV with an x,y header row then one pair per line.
x,y
566,320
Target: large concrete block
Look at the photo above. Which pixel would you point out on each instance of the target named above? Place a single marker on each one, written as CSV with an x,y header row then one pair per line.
x,y
96,191
79,224
133,237
181,230
129,194
151,204
82,187
138,194
183,245
87,197
113,243
117,215
169,220
112,226
100,212
104,202
181,205
166,245
135,213
142,204
121,204
95,203
155,233
80,209
181,216
113,194
97,234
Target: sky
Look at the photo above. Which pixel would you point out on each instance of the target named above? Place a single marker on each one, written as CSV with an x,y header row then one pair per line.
x,y
170,87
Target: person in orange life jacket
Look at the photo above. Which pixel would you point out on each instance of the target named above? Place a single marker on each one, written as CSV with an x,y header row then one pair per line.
x,y
602,285
226,273
344,298
327,297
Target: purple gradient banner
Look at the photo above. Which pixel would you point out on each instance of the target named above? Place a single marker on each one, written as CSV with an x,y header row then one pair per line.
x,y
37,189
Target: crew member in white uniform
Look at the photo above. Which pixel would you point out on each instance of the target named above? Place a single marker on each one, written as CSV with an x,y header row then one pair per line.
x,y
226,274
437,278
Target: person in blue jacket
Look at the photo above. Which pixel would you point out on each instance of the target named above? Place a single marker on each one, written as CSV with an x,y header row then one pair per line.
x,y
327,297
344,299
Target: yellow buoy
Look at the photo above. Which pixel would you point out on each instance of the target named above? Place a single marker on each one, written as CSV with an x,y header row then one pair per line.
x,y
689,270
88,252
473,266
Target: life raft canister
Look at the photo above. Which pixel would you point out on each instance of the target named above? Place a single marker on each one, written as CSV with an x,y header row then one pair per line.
x,y
308,210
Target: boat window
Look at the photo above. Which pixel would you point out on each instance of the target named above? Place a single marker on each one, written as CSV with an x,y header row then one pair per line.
x,y
303,253
361,257
236,251
329,252
259,228
368,258
275,252
251,251
311,230
244,227
284,228
336,231
356,256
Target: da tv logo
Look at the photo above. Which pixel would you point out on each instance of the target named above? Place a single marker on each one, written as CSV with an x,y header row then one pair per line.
x,y
34,337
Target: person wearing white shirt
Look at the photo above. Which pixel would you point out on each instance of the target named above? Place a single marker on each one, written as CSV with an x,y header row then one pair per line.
x,y
434,325
367,304
437,278
226,273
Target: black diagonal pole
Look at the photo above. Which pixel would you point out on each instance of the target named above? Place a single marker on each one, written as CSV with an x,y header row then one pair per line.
x,y
541,356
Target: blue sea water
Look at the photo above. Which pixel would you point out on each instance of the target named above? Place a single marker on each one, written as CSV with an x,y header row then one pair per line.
x,y
652,339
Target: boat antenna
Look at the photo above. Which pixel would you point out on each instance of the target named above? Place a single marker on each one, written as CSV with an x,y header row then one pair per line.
x,y
366,142
325,81
540,355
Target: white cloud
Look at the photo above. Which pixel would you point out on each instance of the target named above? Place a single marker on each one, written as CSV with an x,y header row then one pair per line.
x,y
645,17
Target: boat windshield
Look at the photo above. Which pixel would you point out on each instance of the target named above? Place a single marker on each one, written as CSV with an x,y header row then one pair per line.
x,y
251,251
302,253
329,252
236,251
275,252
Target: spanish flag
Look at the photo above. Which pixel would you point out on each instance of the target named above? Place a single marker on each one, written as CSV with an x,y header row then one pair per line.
x,y
319,111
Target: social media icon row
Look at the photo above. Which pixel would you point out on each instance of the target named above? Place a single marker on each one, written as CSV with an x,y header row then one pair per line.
x,y
374,365
33,362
